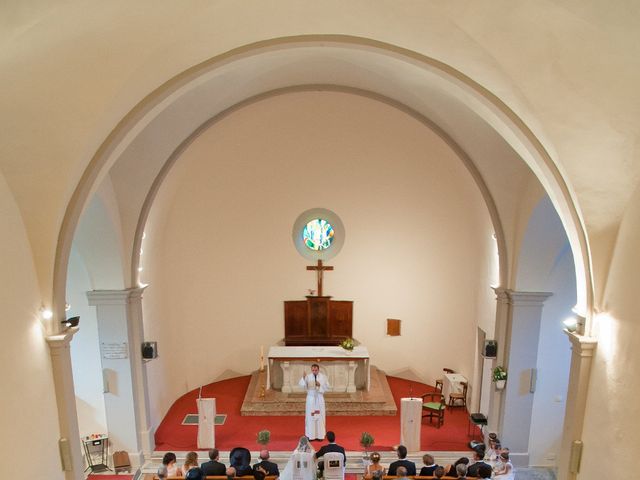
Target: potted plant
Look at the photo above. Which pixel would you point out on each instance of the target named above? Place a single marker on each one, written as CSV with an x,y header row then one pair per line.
x,y
348,344
366,440
264,437
500,377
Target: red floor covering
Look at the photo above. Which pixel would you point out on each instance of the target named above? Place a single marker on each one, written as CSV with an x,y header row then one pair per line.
x,y
285,431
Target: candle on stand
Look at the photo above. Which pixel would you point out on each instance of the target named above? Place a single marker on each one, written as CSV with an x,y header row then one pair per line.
x,y
261,358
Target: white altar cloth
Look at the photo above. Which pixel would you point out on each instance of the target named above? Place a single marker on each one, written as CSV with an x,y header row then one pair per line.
x,y
346,371
452,383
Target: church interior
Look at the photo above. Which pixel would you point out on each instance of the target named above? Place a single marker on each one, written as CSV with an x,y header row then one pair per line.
x,y
480,160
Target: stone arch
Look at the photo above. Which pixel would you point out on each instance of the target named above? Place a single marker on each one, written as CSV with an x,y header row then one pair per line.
x,y
483,102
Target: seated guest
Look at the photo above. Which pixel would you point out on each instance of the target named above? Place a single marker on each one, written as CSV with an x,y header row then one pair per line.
x,y
451,470
374,470
195,473
484,472
332,446
190,461
402,462
213,466
461,471
438,472
494,448
478,461
231,473
240,459
430,466
270,468
169,466
401,473
505,470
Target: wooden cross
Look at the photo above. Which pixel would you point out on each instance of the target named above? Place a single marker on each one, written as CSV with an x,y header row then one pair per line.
x,y
319,269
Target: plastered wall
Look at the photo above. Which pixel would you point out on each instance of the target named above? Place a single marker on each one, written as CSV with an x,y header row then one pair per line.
x,y
612,406
28,415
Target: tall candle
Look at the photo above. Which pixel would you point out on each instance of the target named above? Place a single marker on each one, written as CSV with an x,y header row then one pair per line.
x,y
261,357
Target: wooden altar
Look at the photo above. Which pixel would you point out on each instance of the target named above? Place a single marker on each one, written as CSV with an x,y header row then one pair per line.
x,y
346,371
318,320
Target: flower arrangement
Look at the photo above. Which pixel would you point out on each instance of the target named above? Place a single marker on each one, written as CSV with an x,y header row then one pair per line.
x,y
348,344
366,440
264,437
499,373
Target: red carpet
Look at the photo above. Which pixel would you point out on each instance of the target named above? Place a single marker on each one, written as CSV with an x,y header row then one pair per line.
x,y
285,431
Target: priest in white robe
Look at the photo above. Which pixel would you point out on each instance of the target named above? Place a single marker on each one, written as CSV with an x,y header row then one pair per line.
x,y
315,384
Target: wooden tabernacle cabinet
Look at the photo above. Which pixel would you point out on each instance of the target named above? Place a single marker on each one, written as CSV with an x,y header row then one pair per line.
x,y
317,321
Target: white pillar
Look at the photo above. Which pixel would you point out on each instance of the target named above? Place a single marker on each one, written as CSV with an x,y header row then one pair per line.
x,y
582,351
120,334
523,333
71,451
502,321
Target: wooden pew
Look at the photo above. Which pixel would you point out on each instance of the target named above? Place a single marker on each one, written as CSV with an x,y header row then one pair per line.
x,y
418,477
153,476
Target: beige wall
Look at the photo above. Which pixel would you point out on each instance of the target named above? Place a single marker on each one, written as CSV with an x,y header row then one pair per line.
x,y
28,415
223,261
612,407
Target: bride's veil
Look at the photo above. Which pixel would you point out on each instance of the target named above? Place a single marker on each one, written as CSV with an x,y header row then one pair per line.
x,y
305,470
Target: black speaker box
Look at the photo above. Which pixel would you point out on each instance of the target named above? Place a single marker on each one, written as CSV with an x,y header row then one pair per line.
x,y
490,349
149,350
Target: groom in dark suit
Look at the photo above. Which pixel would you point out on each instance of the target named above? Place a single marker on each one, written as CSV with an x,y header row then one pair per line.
x,y
213,466
402,462
332,446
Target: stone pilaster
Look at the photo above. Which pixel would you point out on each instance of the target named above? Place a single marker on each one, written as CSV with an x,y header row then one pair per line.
x,y
582,351
59,349
523,332
119,314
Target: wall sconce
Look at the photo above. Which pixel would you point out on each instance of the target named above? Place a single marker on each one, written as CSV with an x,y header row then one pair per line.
x,y
46,314
570,324
71,322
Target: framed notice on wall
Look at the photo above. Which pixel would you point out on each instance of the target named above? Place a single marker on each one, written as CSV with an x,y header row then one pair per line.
x,y
112,350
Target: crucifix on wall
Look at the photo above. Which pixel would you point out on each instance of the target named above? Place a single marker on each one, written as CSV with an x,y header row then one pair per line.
x,y
319,268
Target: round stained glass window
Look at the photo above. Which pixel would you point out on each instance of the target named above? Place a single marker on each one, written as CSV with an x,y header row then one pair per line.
x,y
318,234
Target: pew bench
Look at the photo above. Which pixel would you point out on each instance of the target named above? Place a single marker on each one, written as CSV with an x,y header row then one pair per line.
x,y
153,476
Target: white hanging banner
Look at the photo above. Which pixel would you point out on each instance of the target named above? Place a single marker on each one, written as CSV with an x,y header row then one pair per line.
x,y
206,422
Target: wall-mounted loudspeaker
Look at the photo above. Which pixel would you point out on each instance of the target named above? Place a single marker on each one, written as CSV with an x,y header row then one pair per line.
x,y
149,350
490,348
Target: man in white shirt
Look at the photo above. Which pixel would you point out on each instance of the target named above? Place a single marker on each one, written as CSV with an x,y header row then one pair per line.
x,y
315,384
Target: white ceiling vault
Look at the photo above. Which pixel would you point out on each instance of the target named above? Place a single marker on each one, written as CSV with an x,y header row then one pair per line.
x,y
80,78
474,123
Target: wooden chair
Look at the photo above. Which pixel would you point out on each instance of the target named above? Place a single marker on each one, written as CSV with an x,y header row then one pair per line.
x,y
433,406
439,381
459,397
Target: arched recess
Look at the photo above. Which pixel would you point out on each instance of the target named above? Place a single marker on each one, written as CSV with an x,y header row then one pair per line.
x,y
465,113
545,264
443,88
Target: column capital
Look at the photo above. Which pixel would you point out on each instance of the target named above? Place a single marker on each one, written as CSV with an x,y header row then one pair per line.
x,y
114,297
527,298
581,344
501,294
61,340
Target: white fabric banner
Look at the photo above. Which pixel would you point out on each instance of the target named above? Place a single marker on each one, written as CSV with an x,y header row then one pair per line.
x,y
206,422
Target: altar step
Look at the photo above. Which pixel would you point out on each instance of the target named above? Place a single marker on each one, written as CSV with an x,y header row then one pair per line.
x,y
377,401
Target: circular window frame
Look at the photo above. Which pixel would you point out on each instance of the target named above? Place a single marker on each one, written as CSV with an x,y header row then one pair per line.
x,y
313,214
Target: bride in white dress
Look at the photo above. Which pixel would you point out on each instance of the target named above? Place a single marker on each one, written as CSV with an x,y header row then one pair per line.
x,y
301,464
